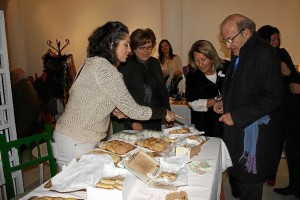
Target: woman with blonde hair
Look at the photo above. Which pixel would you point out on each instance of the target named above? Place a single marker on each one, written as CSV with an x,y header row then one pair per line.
x,y
203,87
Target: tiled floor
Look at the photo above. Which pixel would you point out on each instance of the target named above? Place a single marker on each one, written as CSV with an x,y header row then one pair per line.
x,y
31,180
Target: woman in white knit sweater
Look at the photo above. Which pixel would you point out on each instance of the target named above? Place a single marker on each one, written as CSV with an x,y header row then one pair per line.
x,y
97,92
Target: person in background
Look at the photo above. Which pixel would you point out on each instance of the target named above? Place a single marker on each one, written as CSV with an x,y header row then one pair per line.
x,y
292,149
204,87
170,63
290,112
252,92
26,104
97,92
143,77
289,75
186,69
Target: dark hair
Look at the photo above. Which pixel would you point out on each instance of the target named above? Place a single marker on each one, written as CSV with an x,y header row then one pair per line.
x,y
161,54
246,23
266,31
105,39
206,48
153,37
139,37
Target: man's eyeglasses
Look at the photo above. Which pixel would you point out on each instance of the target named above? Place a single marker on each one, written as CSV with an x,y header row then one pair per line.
x,y
145,48
231,39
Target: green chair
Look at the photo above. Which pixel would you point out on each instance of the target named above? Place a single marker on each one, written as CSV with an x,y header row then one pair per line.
x,y
18,145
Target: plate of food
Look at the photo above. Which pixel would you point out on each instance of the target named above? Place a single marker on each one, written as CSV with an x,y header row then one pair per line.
x,y
118,147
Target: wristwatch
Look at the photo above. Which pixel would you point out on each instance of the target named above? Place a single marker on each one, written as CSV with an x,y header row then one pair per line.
x,y
217,98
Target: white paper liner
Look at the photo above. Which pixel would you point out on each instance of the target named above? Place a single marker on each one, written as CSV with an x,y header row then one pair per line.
x,y
193,131
175,165
76,176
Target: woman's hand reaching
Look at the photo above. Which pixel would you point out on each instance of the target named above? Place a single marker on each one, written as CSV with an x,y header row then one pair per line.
x,y
170,116
119,114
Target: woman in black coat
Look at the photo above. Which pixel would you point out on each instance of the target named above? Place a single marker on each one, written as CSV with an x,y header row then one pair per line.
x,y
144,79
204,86
289,111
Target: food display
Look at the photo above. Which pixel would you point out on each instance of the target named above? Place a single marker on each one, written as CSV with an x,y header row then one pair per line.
x,y
154,144
111,183
116,147
161,159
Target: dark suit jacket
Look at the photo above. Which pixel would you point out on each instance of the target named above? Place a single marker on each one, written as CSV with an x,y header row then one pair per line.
x,y
253,91
290,109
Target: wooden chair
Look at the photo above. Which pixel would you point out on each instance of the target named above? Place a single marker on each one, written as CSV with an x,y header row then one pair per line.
x,y
18,145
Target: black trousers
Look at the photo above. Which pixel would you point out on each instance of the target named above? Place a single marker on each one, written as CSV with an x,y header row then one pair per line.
x,y
251,191
246,191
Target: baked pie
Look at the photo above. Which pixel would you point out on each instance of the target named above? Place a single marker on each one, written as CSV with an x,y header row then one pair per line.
x,y
154,144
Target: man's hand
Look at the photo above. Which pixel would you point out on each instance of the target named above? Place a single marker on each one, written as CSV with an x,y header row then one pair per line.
x,y
226,119
218,107
295,88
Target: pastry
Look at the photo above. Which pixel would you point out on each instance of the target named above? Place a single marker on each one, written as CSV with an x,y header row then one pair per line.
x,y
111,183
118,147
155,144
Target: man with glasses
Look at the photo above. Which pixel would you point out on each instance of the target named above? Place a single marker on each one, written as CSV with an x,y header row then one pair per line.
x,y
252,91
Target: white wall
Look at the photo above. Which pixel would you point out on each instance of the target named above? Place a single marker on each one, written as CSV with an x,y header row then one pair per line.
x,y
32,22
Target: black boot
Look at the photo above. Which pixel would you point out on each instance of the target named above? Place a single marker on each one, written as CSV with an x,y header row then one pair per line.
x,y
285,191
235,187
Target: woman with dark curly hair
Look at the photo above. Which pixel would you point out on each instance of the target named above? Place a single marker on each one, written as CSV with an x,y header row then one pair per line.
x,y
97,92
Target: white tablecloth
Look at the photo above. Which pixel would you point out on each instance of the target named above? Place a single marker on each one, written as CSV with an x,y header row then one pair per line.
x,y
206,186
200,187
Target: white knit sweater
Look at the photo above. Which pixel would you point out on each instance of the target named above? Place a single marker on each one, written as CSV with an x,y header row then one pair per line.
x,y
96,92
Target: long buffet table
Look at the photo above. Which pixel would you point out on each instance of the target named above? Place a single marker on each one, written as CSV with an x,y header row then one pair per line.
x,y
205,186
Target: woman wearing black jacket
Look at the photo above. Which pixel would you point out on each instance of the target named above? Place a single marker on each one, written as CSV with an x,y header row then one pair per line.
x,y
289,113
144,79
204,86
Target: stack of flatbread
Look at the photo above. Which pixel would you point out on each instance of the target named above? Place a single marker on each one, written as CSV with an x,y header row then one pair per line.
x,y
111,183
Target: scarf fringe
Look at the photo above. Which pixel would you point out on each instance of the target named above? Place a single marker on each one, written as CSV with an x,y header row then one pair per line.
x,y
250,162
